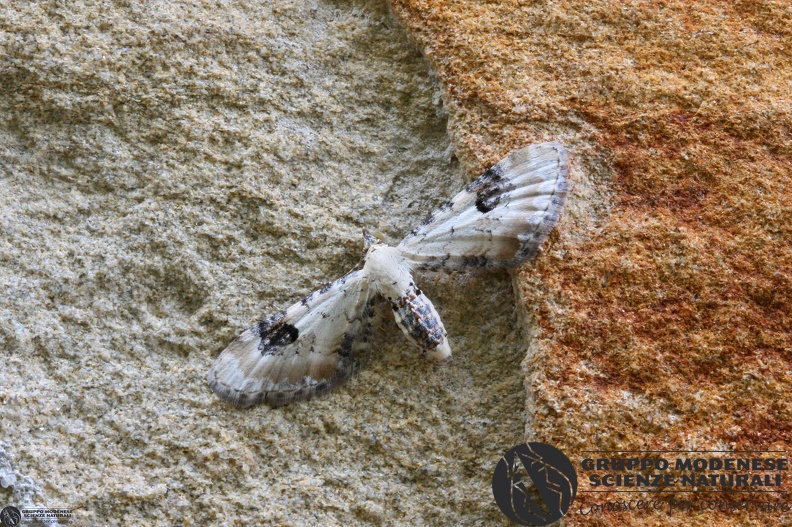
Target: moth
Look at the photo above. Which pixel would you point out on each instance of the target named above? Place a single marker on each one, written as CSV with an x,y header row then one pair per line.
x,y
499,220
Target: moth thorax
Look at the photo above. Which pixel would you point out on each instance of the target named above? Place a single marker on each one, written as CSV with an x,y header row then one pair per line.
x,y
387,270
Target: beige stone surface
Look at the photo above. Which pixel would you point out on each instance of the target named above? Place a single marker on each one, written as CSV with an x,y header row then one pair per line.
x,y
172,172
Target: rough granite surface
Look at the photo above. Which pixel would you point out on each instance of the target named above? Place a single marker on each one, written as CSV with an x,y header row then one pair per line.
x,y
666,322
173,172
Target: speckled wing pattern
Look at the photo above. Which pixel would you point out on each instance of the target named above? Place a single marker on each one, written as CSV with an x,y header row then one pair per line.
x,y
301,352
500,219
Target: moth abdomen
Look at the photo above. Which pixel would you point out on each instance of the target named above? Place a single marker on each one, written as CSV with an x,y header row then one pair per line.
x,y
420,322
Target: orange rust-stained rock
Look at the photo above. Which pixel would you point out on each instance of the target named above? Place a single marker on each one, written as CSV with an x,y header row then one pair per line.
x,y
668,325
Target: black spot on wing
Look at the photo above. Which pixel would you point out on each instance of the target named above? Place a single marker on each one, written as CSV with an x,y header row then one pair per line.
x,y
489,188
276,337
485,204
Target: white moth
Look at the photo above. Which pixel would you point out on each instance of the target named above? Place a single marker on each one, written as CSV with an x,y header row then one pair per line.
x,y
499,220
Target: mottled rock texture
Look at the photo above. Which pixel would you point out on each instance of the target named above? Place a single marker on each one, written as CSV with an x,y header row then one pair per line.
x,y
174,171
667,324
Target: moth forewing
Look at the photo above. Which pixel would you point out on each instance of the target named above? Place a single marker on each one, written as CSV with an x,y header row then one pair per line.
x,y
500,219
302,352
